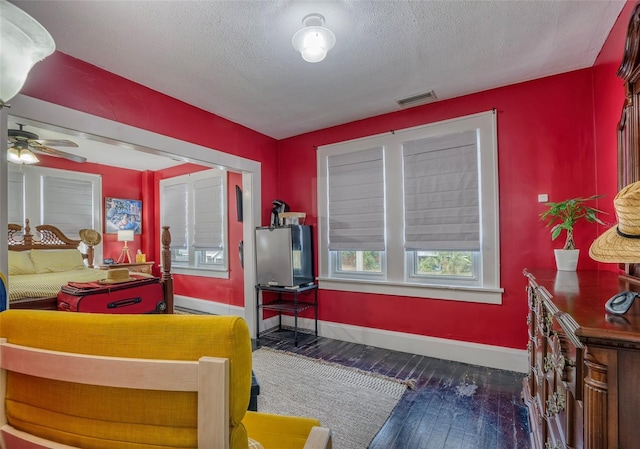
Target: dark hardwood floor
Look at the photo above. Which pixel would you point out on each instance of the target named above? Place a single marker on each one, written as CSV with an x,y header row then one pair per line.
x,y
453,406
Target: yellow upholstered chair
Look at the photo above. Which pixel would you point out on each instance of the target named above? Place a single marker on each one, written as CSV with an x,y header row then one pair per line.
x,y
137,382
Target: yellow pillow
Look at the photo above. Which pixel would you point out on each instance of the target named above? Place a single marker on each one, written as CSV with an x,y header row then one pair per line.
x,y
54,261
20,263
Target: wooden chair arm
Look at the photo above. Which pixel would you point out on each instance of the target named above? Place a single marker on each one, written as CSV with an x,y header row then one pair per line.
x,y
319,438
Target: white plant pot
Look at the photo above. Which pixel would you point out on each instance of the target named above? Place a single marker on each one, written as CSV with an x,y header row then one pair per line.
x,y
567,259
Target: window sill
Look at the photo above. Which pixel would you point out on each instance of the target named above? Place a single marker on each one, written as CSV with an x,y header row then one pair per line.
x,y
200,272
451,293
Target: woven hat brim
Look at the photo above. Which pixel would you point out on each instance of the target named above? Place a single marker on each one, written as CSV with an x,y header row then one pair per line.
x,y
612,247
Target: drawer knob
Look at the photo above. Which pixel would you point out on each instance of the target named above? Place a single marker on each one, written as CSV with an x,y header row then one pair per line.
x,y
550,445
548,363
555,404
562,363
538,377
548,325
558,351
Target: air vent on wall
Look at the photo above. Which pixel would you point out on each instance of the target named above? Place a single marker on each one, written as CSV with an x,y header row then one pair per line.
x,y
415,100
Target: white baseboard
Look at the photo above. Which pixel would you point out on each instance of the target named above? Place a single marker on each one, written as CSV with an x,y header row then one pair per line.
x,y
459,351
201,305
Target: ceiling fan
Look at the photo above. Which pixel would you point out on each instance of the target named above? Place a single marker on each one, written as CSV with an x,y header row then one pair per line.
x,y
20,140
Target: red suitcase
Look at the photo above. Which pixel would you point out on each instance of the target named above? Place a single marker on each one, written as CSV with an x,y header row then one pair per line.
x,y
139,296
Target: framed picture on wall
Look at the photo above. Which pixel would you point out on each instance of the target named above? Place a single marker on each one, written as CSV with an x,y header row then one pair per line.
x,y
121,214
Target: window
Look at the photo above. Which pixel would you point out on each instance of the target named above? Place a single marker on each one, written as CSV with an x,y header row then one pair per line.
x,y
15,195
413,212
194,207
66,199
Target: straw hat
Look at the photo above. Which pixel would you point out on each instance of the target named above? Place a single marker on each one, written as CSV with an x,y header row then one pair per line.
x,y
90,236
621,243
116,276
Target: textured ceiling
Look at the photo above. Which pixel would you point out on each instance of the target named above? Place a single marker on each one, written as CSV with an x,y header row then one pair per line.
x,y
235,58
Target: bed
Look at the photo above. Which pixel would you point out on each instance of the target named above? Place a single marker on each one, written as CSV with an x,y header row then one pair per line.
x,y
39,266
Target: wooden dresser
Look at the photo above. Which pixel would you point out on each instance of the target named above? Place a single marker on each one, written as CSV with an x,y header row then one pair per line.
x,y
583,385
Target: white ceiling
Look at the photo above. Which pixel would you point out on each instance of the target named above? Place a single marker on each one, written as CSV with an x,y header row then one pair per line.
x,y
235,58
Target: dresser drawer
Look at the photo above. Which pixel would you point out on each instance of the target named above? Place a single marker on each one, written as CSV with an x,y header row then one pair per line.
x,y
566,360
556,412
138,267
538,425
540,356
141,268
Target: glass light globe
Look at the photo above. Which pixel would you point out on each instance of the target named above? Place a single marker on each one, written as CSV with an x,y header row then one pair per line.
x,y
24,42
314,45
13,155
313,41
27,157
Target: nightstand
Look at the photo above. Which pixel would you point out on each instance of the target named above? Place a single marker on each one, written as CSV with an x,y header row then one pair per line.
x,y
140,267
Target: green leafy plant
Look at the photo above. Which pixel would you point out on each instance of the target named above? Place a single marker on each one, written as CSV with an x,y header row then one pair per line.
x,y
565,214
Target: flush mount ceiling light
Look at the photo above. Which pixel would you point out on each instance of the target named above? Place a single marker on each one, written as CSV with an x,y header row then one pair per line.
x,y
24,42
314,40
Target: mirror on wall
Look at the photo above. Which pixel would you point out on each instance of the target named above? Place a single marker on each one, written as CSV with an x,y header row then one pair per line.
x,y
629,125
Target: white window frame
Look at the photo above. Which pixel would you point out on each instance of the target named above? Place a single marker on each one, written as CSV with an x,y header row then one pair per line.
x,y
33,207
221,271
397,264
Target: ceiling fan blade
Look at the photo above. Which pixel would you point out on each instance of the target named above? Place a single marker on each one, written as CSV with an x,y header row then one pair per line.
x,y
57,143
58,153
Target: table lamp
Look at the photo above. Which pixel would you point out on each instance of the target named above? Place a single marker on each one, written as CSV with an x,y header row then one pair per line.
x,y
125,236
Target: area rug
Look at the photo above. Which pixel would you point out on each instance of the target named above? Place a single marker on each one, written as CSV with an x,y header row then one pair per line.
x,y
353,403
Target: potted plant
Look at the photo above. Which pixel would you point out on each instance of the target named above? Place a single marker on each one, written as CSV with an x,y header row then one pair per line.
x,y
563,216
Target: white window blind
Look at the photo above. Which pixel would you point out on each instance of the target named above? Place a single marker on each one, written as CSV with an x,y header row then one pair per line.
x,y
174,199
208,201
356,200
15,193
441,197
67,203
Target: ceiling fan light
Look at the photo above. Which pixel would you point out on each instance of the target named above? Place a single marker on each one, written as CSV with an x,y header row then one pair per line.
x,y
314,41
27,157
13,155
24,42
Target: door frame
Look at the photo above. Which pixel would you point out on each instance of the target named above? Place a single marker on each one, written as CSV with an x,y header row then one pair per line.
x,y
147,141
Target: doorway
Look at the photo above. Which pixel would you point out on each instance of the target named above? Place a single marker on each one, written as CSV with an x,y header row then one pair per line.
x,y
135,139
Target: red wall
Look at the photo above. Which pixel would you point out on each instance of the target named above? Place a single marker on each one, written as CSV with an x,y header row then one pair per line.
x,y
69,82
545,145
556,135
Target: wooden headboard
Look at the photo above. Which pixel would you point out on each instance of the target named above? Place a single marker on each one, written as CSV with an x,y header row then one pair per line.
x,y
21,239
